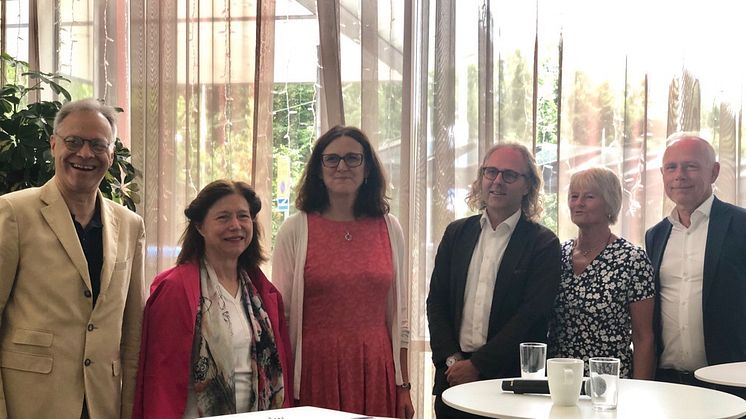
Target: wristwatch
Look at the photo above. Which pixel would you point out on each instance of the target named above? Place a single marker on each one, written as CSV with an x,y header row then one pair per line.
x,y
453,358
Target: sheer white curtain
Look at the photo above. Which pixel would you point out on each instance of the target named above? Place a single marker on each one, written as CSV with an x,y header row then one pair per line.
x,y
201,98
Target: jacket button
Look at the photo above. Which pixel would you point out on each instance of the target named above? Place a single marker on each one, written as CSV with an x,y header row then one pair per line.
x,y
90,328
87,362
87,294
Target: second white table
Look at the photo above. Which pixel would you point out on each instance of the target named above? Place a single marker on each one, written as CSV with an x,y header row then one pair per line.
x,y
637,399
732,374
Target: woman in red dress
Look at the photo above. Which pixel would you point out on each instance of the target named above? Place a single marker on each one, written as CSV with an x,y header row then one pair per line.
x,y
339,264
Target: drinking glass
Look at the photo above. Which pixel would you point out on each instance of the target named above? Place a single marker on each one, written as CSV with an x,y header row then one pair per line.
x,y
533,359
604,382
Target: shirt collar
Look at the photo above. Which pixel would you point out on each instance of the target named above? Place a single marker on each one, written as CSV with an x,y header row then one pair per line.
x,y
95,220
701,213
509,222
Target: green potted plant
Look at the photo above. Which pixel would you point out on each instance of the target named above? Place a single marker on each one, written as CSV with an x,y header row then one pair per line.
x,y
25,128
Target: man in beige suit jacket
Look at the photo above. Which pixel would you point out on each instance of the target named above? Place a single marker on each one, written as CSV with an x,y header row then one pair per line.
x,y
71,282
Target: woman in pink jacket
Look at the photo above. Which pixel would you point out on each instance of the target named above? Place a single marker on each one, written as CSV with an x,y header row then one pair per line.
x,y
214,337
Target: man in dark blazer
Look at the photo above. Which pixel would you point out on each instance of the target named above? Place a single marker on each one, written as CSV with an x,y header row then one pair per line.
x,y
495,277
699,257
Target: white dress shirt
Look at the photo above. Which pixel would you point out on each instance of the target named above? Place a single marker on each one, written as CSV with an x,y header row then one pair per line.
x,y
480,280
681,276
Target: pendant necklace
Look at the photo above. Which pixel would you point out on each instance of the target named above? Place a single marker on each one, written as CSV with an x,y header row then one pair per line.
x,y
348,236
586,252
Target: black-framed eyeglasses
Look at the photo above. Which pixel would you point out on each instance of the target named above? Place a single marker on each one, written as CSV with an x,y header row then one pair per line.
x,y
351,159
509,176
74,144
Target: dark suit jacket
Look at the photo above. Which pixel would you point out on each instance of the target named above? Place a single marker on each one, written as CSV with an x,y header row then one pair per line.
x,y
723,284
527,283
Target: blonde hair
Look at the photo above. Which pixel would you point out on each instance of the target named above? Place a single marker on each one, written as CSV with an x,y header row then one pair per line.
x,y
606,183
531,204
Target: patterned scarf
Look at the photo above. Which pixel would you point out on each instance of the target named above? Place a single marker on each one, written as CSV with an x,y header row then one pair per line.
x,y
212,353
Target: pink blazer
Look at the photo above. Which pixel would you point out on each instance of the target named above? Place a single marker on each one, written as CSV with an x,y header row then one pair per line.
x,y
168,334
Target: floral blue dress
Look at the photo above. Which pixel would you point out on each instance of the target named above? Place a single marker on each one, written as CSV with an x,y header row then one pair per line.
x,y
591,313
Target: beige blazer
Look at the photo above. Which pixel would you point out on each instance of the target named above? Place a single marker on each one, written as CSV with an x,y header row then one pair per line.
x,y
55,348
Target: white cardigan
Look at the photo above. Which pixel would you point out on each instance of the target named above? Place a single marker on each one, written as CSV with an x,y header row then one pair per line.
x,y
288,265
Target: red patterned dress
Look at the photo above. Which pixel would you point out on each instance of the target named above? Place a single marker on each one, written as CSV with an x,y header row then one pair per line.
x,y
347,351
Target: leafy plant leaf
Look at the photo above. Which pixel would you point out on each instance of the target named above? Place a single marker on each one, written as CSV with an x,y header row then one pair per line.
x,y
25,129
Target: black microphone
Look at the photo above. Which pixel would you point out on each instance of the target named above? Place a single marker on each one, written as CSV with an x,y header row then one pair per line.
x,y
521,386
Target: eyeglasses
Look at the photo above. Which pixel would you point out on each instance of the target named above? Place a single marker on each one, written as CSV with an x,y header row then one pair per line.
x,y
509,176
74,144
351,159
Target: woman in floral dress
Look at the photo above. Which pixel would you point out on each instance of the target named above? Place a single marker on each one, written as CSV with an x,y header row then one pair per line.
x,y
605,301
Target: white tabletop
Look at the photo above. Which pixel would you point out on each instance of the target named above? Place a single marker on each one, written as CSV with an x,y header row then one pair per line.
x,y
304,412
733,374
637,399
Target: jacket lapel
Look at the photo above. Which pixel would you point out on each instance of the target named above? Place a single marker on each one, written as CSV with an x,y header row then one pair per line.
x,y
660,239
515,248
110,241
57,215
462,258
720,219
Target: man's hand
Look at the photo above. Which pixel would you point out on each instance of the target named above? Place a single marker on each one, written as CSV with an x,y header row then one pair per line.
x,y
462,372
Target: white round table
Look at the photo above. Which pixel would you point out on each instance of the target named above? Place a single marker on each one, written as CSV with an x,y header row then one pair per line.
x,y
732,374
637,399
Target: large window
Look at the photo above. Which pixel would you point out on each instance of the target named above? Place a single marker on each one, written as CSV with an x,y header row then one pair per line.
x,y
241,89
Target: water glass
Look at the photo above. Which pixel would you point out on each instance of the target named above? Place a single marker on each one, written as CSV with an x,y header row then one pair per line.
x,y
533,359
604,382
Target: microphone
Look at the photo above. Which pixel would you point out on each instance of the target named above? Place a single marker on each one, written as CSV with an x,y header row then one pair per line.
x,y
520,386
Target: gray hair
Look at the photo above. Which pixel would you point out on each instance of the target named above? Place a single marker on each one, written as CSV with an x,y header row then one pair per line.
x,y
88,105
606,182
531,205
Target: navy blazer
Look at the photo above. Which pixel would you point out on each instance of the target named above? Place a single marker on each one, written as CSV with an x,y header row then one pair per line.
x,y
723,284
526,286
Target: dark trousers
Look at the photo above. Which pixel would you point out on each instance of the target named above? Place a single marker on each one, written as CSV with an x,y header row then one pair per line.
x,y
443,411
688,378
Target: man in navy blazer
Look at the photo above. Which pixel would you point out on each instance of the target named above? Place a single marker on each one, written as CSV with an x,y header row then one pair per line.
x,y
699,256
495,277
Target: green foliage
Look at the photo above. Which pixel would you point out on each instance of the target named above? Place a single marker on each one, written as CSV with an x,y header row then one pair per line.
x,y
25,129
547,126
514,109
547,104
549,216
389,112
293,134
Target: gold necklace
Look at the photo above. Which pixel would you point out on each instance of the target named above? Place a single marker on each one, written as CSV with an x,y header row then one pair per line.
x,y
587,252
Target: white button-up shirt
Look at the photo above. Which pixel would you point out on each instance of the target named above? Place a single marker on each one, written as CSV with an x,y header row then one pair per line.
x,y
480,280
681,277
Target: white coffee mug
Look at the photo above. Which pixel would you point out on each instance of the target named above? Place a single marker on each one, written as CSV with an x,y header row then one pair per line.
x,y
565,376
